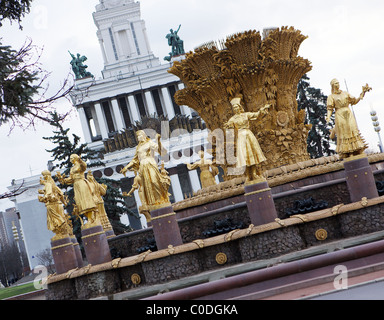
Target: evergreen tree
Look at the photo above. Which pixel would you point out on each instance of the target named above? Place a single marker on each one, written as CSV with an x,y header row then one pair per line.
x,y
64,147
14,10
113,201
314,102
16,84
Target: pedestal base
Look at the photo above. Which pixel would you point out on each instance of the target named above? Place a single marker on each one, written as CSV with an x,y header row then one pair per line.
x,y
360,180
110,234
64,255
79,256
96,245
261,206
165,228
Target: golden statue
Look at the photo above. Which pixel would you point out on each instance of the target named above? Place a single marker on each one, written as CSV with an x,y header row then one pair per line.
x,y
248,151
86,202
54,200
154,183
208,171
349,140
137,185
100,190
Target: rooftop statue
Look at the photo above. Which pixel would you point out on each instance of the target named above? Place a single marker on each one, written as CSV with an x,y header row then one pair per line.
x,y
175,43
349,140
78,66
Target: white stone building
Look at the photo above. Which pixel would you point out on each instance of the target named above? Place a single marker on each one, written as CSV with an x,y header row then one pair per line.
x,y
134,84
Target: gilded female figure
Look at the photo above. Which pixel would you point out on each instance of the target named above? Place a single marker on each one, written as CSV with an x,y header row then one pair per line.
x,y
208,171
349,140
248,151
99,191
154,184
86,201
54,200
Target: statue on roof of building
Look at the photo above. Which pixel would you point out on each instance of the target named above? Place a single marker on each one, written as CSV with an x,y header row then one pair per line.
x,y
78,67
175,43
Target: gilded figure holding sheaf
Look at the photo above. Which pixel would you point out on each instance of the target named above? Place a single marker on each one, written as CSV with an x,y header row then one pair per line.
x,y
349,140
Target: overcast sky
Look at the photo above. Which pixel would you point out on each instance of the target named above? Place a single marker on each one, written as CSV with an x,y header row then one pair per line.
x,y
345,41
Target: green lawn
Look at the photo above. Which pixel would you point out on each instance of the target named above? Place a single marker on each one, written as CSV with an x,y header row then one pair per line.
x,y
15,291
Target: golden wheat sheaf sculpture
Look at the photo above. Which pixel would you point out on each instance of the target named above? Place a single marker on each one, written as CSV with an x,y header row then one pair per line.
x,y
261,71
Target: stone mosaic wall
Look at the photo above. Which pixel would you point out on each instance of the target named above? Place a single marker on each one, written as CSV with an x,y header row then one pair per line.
x,y
266,245
261,246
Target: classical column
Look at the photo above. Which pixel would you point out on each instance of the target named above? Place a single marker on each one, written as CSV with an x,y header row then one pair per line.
x,y
184,109
101,42
176,187
195,181
85,125
117,115
168,103
137,199
133,107
150,103
101,121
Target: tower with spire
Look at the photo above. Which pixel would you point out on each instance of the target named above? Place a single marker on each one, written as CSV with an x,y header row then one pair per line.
x,y
134,87
123,38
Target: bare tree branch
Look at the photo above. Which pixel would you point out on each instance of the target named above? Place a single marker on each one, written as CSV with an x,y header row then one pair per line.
x,y
24,87
13,193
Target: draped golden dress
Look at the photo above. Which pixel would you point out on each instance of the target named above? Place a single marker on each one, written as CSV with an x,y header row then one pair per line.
x,y
99,191
154,184
53,198
84,196
349,139
207,177
55,211
248,151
